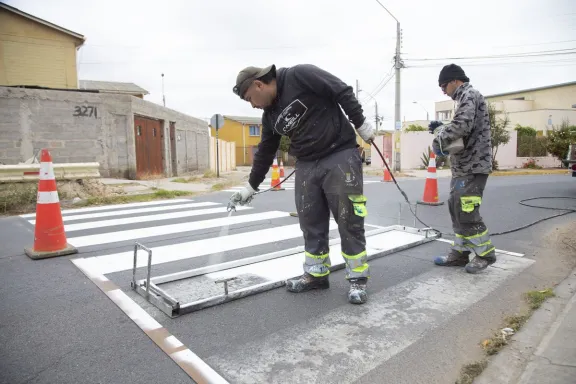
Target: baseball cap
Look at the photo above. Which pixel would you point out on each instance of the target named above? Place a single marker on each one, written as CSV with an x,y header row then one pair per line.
x,y
249,74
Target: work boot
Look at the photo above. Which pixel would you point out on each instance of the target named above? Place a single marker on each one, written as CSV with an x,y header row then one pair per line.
x,y
453,259
357,293
480,263
307,282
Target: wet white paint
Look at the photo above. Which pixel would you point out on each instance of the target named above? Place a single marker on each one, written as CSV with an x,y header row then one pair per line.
x,y
168,208
350,341
140,233
147,218
291,266
497,250
117,206
124,260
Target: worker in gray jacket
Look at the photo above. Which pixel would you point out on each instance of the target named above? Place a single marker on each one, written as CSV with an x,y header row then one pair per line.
x,y
305,103
467,140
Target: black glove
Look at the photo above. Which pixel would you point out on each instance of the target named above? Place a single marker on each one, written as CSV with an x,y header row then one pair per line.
x,y
433,125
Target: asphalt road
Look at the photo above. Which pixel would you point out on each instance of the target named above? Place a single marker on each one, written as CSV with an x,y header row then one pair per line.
x,y
420,325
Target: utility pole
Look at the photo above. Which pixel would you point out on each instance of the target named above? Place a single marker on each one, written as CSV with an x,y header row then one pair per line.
x,y
377,118
397,66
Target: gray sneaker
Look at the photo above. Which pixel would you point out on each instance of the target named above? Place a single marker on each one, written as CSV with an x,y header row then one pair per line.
x,y
357,293
480,263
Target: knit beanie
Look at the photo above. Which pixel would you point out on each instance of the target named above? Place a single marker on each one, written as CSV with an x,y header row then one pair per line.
x,y
452,72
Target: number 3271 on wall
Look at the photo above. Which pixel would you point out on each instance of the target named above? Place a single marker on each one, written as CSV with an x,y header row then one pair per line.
x,y
85,111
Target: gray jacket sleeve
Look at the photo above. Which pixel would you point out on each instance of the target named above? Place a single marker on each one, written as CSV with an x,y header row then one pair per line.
x,y
264,156
325,84
461,125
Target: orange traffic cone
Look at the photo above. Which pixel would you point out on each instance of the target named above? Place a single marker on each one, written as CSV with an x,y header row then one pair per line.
x,y
275,177
49,236
431,187
281,168
387,176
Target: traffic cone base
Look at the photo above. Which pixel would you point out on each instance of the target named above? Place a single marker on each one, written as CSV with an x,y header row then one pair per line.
x,y
35,255
275,178
387,176
49,234
431,187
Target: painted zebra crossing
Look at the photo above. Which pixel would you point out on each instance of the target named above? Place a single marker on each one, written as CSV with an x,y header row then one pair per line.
x,y
391,321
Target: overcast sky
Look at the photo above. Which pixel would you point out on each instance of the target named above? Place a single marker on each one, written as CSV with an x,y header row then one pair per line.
x,y
200,45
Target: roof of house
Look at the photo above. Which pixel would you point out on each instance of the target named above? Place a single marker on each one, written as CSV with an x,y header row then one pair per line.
x,y
112,86
245,119
533,89
44,22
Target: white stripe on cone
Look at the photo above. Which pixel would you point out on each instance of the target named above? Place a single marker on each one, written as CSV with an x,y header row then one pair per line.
x,y
48,197
432,175
47,171
432,162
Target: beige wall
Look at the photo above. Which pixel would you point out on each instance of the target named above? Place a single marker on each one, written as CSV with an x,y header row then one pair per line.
x,y
513,105
552,98
539,119
34,54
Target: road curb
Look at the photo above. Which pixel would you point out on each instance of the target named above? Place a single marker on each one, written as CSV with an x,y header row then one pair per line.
x,y
510,363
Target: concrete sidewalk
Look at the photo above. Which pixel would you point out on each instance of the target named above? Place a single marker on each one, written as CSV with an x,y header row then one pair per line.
x,y
544,350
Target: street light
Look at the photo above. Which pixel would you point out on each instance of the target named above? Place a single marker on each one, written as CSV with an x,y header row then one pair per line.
x,y
415,102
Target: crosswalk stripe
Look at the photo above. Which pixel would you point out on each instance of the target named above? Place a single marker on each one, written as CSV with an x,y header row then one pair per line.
x,y
116,206
363,338
134,211
211,246
132,234
147,219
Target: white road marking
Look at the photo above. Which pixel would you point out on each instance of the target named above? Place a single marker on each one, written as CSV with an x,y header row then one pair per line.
x,y
147,219
195,367
350,341
497,250
116,206
287,267
134,211
124,260
140,233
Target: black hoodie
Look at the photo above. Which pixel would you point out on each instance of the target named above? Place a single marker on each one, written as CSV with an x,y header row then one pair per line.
x,y
307,109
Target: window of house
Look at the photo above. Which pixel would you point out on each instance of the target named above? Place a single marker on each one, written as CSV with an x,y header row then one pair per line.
x,y
254,130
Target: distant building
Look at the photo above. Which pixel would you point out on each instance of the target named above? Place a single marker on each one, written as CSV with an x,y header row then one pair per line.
x,y
540,108
35,52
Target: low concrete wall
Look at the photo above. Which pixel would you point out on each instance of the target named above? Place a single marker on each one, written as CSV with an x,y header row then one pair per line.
x,y
79,127
544,161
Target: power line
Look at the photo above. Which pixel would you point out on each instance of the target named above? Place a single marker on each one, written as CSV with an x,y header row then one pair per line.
x,y
526,54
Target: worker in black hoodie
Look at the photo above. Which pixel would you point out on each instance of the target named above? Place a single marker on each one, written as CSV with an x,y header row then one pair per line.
x,y
304,103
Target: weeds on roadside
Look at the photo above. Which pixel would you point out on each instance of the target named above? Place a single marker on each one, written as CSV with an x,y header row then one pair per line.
x,y
493,345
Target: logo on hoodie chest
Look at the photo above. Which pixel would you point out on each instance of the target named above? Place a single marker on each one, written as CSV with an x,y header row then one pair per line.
x,y
290,117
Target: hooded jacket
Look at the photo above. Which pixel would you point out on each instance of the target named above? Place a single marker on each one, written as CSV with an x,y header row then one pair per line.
x,y
471,123
308,109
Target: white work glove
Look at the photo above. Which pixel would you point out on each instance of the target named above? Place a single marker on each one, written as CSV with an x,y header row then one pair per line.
x,y
243,196
366,132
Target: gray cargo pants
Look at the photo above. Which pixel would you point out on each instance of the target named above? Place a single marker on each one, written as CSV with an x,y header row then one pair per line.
x,y
332,184
464,204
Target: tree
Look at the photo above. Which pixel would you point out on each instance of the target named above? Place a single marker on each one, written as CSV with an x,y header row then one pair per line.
x,y
415,128
498,133
284,144
559,139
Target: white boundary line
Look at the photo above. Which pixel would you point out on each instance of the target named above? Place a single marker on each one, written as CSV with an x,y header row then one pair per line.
x,y
195,367
497,250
